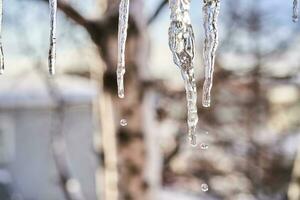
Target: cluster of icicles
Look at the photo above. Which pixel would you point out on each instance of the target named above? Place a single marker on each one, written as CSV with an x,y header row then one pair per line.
x,y
182,46
181,43
52,48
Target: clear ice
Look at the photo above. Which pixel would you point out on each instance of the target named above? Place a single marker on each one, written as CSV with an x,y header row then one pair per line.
x,y
52,48
1,48
211,9
182,45
296,10
122,36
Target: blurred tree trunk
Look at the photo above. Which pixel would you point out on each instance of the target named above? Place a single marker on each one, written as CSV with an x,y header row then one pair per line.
x,y
131,145
294,187
130,139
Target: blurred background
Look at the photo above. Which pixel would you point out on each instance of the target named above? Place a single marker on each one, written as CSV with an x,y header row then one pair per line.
x,y
61,138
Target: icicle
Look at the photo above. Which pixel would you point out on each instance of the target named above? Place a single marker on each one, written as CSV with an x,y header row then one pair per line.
x,y
1,48
295,10
181,42
52,49
122,36
211,10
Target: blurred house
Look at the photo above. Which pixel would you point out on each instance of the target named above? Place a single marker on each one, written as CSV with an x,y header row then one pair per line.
x,y
28,170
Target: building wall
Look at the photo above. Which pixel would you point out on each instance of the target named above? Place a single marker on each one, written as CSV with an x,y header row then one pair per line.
x,y
32,166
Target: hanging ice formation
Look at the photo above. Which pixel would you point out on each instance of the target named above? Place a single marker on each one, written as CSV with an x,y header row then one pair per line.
x,y
295,10
52,49
211,10
122,36
182,45
1,48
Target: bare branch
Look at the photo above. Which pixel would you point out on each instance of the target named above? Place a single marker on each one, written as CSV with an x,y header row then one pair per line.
x,y
157,11
71,12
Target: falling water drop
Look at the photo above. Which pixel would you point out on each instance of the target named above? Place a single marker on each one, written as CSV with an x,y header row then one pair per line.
x,y
295,10
1,48
204,146
181,42
204,187
122,37
123,122
211,10
52,48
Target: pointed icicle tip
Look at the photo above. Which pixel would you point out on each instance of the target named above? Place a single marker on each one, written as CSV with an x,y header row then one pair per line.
x,y
52,72
295,19
193,140
121,94
295,11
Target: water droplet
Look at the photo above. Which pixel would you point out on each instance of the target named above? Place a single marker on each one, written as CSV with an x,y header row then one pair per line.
x,y
204,187
206,133
123,122
204,146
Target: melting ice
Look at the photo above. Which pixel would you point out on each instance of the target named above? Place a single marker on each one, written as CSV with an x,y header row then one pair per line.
x,y
211,10
52,49
122,36
182,45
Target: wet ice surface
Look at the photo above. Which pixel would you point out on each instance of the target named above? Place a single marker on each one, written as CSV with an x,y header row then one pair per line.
x,y
1,48
181,42
122,37
211,10
295,10
52,48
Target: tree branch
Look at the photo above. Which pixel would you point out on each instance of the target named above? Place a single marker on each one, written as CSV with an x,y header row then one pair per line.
x,y
157,11
71,12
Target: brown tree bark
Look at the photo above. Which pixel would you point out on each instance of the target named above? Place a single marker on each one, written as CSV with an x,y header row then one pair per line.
x,y
130,139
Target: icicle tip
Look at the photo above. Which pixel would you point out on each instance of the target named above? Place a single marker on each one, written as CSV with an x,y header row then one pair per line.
x,y
206,103
51,72
295,19
193,140
121,94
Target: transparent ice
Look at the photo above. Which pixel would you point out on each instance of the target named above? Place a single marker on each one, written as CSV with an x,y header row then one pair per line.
x,y
211,10
52,48
182,45
295,10
1,48
122,36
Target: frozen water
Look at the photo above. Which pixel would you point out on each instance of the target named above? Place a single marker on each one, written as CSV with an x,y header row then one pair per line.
x,y
52,49
1,48
122,37
182,45
295,10
211,10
